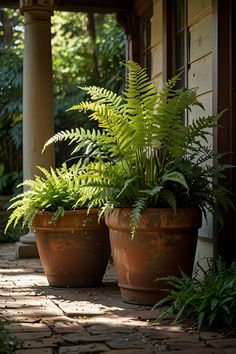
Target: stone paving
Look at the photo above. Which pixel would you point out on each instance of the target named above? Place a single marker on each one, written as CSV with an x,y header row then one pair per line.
x,y
92,320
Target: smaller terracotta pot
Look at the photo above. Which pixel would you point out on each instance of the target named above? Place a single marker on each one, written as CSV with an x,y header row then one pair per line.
x,y
75,251
164,243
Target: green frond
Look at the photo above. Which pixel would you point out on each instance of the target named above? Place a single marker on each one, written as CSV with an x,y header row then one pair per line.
x,y
105,96
168,198
136,213
152,192
57,214
140,96
175,177
79,136
57,190
200,129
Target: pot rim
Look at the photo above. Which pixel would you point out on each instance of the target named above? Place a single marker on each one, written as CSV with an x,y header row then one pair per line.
x,y
70,211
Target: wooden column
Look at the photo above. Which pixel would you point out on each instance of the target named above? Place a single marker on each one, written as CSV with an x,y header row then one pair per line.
x,y
224,98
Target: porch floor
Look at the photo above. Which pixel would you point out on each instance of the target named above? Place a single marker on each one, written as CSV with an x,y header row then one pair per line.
x,y
90,320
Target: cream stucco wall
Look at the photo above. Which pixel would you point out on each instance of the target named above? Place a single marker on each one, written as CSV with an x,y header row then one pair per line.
x,y
199,21
156,42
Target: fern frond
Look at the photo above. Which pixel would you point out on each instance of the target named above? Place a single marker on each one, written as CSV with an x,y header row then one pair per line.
x,y
105,96
79,136
175,176
201,128
137,208
140,96
168,198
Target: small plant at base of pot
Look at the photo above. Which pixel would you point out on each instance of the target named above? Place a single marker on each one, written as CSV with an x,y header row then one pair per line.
x,y
8,342
209,300
154,176
73,247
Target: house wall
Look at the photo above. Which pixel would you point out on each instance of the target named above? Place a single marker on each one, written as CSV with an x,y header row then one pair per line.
x,y
156,42
199,20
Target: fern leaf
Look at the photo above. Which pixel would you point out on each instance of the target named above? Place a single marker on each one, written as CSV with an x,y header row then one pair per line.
x,y
175,177
136,212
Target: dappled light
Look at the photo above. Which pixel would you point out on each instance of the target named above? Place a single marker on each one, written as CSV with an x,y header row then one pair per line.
x,y
76,320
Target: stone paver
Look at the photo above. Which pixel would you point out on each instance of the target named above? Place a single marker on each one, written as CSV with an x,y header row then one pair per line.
x,y
31,335
28,327
131,351
86,348
52,320
35,351
223,343
54,341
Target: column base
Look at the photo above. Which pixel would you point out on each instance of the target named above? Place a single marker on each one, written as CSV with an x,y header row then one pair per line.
x,y
27,248
29,238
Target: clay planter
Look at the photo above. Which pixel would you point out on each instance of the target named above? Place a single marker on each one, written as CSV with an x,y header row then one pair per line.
x,y
164,243
75,251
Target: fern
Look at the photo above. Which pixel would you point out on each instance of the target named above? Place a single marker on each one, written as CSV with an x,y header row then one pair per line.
x,y
142,155
55,190
210,302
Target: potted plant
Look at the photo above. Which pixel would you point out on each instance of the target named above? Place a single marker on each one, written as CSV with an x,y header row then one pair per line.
x,y
73,247
154,176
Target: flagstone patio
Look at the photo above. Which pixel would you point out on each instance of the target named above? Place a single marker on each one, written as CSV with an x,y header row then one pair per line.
x,y
90,320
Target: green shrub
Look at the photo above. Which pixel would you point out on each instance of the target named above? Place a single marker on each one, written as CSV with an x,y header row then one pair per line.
x,y
8,342
209,300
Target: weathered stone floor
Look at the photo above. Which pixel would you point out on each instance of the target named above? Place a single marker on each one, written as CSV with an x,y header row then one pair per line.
x,y
93,320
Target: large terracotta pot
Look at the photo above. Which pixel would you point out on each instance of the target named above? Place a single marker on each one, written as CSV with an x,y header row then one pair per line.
x,y
75,251
164,243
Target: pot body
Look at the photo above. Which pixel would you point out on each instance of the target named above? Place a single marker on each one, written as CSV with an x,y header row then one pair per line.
x,y
75,251
164,243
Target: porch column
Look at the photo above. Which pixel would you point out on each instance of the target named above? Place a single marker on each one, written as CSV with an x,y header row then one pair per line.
x,y
37,93
37,86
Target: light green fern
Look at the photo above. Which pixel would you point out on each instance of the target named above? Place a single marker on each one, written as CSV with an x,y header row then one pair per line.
x,y
56,190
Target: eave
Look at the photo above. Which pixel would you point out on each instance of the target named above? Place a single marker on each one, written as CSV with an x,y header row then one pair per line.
x,y
105,6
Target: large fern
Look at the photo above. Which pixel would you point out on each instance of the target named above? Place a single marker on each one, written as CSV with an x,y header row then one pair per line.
x,y
143,156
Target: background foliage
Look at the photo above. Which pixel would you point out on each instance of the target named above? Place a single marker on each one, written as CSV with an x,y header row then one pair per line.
x,y
85,48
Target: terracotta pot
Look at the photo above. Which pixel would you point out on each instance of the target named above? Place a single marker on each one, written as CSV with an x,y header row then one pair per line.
x,y
75,251
164,243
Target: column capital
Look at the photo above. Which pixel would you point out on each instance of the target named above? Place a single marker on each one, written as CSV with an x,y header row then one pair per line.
x,y
31,5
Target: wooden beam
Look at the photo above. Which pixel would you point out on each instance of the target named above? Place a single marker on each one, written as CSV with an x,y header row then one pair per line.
x,y
104,6
224,88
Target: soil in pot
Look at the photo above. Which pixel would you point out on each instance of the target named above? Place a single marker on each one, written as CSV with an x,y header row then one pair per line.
x,y
75,251
164,243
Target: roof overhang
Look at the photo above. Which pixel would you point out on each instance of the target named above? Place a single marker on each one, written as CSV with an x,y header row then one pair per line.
x,y
104,6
